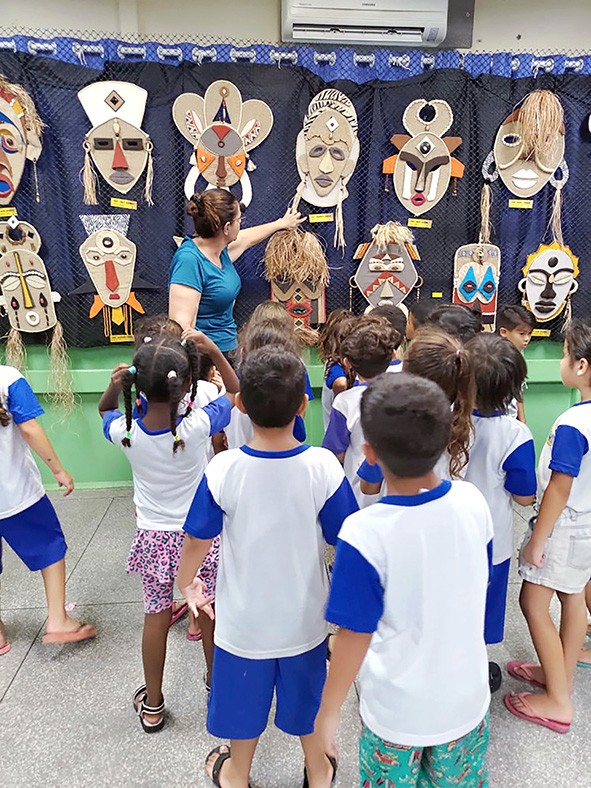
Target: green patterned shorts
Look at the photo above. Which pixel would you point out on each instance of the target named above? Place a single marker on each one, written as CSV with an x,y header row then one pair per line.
x,y
462,762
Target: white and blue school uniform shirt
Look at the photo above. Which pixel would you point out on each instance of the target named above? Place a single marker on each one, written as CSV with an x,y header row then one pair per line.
x,y
240,431
274,512
164,483
413,570
20,480
344,435
502,464
219,288
395,365
373,473
567,451
333,373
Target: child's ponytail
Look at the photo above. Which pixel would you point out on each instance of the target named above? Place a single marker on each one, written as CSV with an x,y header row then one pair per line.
x,y
462,406
4,415
197,362
175,389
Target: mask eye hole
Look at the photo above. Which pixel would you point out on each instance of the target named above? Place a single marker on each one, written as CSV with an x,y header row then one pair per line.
x,y
338,154
8,143
537,278
563,278
103,143
135,143
511,140
317,151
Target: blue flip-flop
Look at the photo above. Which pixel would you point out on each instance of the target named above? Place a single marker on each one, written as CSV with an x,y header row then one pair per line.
x,y
584,664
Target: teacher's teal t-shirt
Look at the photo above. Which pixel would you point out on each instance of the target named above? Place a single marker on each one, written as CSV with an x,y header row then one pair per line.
x,y
219,288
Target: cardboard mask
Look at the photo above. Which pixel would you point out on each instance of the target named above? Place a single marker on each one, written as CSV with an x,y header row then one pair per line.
x,y
116,143
304,302
327,149
20,138
424,166
109,257
26,295
549,281
476,279
386,273
223,130
529,146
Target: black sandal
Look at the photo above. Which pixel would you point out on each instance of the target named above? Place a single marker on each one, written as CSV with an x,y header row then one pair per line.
x,y
333,763
140,707
221,759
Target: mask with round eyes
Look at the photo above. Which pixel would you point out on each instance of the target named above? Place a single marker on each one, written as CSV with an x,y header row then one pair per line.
x,y
549,280
25,293
20,138
424,166
528,151
476,279
386,273
223,130
116,144
109,258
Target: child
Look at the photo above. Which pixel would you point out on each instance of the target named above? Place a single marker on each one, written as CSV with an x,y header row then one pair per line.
x,y
408,591
338,325
502,463
418,315
459,321
28,522
275,503
556,553
441,358
516,324
367,351
167,454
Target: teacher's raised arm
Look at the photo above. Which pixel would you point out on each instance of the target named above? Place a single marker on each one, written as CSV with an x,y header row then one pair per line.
x,y
203,281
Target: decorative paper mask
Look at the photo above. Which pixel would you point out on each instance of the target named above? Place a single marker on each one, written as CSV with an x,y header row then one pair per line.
x,y
422,170
26,294
20,138
476,279
327,149
223,131
116,143
549,281
529,146
386,273
297,268
109,257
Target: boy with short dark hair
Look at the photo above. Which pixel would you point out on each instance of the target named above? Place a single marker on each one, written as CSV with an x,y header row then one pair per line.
x,y
419,313
516,324
275,503
409,591
367,352
397,319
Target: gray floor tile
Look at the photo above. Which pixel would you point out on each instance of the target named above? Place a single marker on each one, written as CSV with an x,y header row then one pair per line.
x,y
22,627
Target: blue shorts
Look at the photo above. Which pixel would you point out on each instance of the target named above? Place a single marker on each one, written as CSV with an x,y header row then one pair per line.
x,y
35,535
242,693
496,603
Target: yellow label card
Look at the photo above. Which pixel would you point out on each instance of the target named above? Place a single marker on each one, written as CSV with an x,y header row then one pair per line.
x,y
540,332
436,295
521,204
316,218
424,223
8,210
117,202
116,338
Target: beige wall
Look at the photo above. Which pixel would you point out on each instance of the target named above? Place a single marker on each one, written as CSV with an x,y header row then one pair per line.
x,y
498,24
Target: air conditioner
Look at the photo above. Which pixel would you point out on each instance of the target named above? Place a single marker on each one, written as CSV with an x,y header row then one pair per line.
x,y
403,23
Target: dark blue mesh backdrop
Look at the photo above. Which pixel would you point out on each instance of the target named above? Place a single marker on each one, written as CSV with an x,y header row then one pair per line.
x,y
480,101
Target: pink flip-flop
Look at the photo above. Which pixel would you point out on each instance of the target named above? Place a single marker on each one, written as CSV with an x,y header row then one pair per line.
x,y
5,649
194,637
522,671
179,613
83,632
553,725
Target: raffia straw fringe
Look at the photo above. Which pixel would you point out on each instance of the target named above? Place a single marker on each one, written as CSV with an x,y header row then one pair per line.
x,y
149,179
32,119
296,256
15,351
390,233
485,202
541,117
59,373
89,180
556,218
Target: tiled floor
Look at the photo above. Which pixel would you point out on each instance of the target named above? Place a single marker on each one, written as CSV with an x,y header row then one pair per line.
x,y
65,711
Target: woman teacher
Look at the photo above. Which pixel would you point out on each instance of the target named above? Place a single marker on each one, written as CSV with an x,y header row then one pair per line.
x,y
203,281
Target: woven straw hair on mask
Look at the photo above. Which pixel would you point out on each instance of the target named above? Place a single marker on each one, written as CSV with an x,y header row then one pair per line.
x,y
391,233
542,121
32,119
15,351
296,256
59,372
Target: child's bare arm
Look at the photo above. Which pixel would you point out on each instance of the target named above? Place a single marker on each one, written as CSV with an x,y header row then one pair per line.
x,y
110,399
192,554
37,440
206,346
524,500
521,412
339,385
370,488
553,502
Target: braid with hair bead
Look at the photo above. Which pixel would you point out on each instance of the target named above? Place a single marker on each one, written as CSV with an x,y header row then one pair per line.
x,y
127,380
4,415
195,362
175,388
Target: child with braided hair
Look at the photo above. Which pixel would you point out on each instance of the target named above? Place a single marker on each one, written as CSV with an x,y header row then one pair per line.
x,y
167,454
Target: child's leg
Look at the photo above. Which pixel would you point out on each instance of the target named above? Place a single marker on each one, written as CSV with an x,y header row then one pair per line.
x,y
54,580
235,770
154,656
207,626
555,704
588,598
384,763
319,769
573,624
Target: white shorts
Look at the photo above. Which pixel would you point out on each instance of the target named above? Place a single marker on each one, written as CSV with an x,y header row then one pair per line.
x,y
567,555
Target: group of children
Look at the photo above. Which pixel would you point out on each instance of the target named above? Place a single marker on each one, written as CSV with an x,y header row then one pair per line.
x,y
414,485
